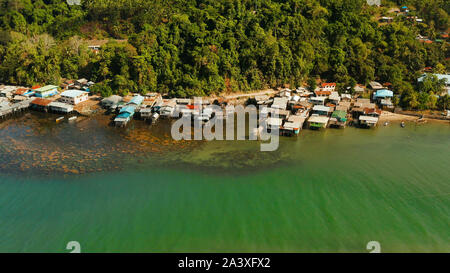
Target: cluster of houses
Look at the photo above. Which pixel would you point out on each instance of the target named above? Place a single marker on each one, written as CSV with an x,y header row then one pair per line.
x,y
323,108
60,99
289,111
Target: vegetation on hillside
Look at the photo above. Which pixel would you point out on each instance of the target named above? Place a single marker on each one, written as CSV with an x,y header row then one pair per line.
x,y
200,47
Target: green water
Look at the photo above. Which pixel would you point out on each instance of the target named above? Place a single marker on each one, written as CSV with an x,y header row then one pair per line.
x,y
325,191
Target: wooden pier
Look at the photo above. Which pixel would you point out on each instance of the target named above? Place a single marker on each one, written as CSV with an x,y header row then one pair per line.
x,y
15,108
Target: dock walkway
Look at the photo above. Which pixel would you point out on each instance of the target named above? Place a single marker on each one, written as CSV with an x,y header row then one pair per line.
x,y
14,108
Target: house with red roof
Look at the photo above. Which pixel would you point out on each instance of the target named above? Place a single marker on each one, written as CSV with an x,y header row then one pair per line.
x,y
328,86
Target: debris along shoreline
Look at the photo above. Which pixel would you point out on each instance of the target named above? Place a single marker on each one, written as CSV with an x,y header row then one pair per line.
x,y
296,109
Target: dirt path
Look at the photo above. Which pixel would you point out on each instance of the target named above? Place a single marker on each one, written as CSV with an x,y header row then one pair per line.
x,y
246,95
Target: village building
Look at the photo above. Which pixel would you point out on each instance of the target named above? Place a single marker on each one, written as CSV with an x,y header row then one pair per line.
x,y
302,107
343,106
263,100
334,98
321,110
338,119
322,93
111,101
66,84
22,91
7,91
168,108
375,85
146,113
280,103
368,121
74,97
346,97
318,100
46,91
328,86
370,117
283,114
274,123
60,107
184,101
19,98
40,104
293,125
125,115
285,93
317,122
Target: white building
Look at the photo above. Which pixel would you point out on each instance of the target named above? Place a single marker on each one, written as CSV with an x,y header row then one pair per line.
x,y
74,96
328,86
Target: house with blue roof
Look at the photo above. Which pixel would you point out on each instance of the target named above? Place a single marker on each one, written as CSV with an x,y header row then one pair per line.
x,y
125,115
136,100
383,94
383,98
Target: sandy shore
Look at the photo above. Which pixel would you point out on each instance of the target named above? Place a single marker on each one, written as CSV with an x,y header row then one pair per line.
x,y
389,116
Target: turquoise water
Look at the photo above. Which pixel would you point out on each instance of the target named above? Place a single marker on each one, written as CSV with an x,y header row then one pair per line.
x,y
325,191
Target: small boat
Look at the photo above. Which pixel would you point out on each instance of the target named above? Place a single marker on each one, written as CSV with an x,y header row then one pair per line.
x,y
386,123
73,118
155,117
402,124
59,119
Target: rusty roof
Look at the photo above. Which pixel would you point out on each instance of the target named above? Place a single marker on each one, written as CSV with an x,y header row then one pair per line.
x,y
41,102
21,91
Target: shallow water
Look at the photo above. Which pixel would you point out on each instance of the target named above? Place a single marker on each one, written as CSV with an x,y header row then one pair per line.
x,y
133,189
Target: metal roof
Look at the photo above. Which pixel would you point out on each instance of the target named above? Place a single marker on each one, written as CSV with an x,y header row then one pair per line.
x,y
137,100
321,108
128,109
383,93
319,119
60,105
73,93
46,88
41,102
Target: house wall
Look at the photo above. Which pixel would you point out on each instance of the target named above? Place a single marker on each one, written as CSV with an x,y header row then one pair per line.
x,y
46,94
75,100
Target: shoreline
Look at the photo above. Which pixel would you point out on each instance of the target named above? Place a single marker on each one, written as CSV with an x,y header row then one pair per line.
x,y
387,116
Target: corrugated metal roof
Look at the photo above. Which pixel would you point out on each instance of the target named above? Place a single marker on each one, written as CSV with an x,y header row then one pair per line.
x,y
128,109
41,102
46,88
61,105
321,108
137,100
72,93
383,93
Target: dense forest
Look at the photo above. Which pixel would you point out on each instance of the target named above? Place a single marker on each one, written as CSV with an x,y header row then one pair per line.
x,y
201,47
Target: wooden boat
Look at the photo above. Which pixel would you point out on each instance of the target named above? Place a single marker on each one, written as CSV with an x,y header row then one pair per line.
x,y
155,117
73,118
402,124
59,119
